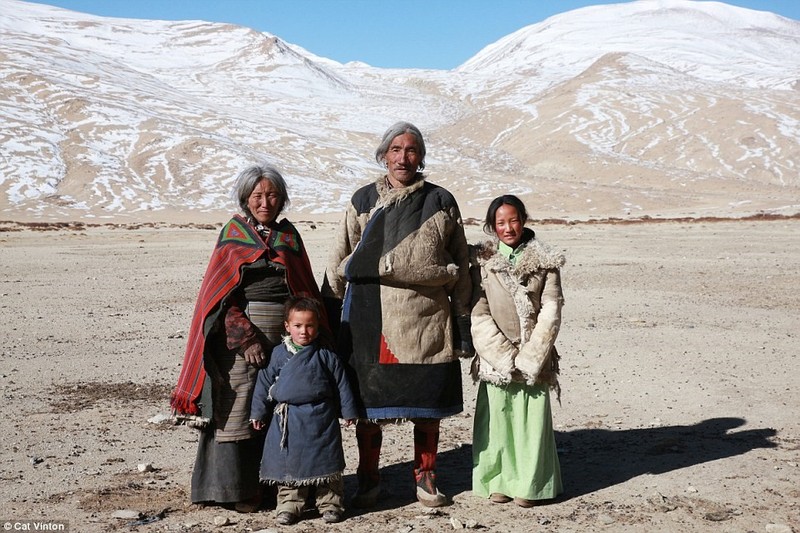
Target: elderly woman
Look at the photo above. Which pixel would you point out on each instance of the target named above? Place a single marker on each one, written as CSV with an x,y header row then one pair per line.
x,y
258,262
402,257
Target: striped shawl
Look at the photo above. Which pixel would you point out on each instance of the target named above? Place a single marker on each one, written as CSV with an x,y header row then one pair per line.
x,y
238,244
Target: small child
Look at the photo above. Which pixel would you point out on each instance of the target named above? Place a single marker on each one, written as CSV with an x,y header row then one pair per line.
x,y
306,387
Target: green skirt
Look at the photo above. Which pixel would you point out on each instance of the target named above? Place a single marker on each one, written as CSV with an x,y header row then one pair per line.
x,y
513,445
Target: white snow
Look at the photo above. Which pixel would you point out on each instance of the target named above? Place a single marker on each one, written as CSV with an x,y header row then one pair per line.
x,y
158,114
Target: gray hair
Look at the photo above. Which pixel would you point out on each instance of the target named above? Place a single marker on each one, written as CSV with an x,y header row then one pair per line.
x,y
247,180
399,128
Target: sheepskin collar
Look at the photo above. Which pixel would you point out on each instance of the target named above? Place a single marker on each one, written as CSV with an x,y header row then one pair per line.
x,y
388,195
536,255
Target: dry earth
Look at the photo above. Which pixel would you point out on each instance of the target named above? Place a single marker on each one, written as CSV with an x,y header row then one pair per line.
x,y
680,375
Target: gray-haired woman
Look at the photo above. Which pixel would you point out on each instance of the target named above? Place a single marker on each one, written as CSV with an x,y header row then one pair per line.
x,y
258,262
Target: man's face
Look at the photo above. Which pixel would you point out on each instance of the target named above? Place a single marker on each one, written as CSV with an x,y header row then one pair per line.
x,y
402,160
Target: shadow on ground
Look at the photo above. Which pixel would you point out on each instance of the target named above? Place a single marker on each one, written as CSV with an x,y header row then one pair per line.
x,y
591,459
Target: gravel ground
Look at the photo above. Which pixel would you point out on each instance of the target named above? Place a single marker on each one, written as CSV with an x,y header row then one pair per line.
x,y
680,373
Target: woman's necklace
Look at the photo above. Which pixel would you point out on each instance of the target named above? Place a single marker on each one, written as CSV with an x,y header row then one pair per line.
x,y
262,230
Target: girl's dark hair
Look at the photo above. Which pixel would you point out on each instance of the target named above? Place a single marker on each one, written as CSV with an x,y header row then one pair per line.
x,y
491,213
301,303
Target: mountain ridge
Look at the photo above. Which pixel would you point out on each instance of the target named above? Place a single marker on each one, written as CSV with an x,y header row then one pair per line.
x,y
109,128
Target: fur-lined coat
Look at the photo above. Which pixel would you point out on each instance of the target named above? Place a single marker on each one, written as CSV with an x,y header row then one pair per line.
x,y
402,257
516,319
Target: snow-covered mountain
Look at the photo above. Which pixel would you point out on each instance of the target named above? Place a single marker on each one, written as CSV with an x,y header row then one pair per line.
x,y
654,107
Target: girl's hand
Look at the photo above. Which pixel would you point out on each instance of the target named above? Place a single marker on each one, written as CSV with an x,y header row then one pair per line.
x,y
258,425
349,422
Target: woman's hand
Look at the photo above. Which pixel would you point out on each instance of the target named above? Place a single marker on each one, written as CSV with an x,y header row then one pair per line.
x,y
254,354
258,425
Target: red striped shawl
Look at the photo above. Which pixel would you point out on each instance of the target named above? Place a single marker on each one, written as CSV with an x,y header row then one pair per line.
x,y
238,244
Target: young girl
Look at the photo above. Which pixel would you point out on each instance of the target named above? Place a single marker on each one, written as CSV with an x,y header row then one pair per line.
x,y
307,389
514,327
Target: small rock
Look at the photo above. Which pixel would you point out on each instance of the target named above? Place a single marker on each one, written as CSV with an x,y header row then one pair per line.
x,y
606,520
145,467
717,516
691,489
471,524
456,523
222,521
778,528
268,530
127,514
36,460
661,503
160,418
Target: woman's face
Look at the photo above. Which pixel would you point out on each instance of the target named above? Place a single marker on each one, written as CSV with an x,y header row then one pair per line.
x,y
402,160
264,202
508,225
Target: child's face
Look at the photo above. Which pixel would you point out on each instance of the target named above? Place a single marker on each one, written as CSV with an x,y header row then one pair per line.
x,y
303,326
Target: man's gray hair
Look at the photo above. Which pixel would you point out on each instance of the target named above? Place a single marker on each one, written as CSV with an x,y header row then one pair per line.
x,y
399,128
250,177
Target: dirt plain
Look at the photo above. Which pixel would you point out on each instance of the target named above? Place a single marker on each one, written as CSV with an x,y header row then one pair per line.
x,y
680,373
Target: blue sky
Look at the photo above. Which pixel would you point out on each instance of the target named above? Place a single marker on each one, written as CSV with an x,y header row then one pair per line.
x,y
438,34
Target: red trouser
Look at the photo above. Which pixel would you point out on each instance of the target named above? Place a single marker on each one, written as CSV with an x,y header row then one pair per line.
x,y
370,437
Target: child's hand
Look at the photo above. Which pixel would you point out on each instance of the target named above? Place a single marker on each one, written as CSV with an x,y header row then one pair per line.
x,y
258,425
349,422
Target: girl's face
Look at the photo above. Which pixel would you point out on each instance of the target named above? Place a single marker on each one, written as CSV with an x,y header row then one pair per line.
x,y
303,327
508,225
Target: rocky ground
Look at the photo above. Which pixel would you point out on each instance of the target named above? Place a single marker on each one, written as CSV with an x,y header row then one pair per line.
x,y
680,373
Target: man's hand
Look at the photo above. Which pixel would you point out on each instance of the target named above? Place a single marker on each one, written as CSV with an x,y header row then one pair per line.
x,y
462,337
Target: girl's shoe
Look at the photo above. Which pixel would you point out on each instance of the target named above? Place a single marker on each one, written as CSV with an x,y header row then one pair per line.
x,y
332,517
522,502
497,497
